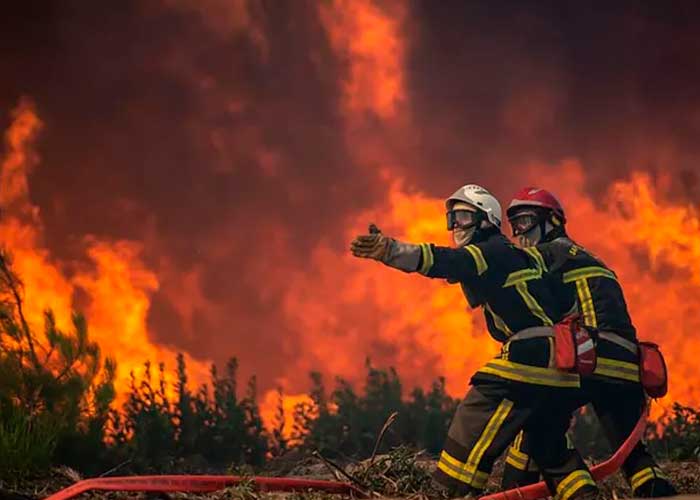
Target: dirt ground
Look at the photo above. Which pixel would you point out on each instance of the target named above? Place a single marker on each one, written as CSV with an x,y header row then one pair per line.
x,y
685,476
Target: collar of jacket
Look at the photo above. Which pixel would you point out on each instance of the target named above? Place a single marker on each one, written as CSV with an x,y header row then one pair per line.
x,y
485,234
557,232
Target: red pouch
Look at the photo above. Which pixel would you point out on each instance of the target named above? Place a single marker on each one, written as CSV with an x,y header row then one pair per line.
x,y
565,345
574,347
652,370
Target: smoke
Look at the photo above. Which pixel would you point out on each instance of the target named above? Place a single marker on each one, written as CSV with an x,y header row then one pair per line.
x,y
233,148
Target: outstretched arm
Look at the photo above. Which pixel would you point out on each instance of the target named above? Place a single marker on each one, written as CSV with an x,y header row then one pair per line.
x,y
425,258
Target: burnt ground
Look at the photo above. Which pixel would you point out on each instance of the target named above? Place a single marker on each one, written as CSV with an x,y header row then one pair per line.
x,y
685,476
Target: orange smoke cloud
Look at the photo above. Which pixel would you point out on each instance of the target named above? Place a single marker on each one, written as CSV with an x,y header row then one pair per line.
x,y
367,39
117,284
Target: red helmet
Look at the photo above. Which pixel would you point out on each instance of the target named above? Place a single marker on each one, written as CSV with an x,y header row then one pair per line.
x,y
536,197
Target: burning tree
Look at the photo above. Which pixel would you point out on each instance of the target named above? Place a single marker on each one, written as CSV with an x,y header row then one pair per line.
x,y
55,389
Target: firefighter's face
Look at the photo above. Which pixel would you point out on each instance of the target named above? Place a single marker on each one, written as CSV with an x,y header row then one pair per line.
x,y
526,227
463,225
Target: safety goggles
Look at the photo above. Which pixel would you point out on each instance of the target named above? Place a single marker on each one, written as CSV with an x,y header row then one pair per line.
x,y
461,219
524,221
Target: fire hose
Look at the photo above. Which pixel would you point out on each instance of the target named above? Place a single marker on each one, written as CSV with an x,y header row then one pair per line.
x,y
208,484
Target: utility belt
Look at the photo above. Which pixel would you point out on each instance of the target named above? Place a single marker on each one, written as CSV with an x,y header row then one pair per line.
x,y
575,352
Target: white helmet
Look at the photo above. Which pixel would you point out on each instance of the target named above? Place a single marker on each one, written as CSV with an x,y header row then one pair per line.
x,y
479,198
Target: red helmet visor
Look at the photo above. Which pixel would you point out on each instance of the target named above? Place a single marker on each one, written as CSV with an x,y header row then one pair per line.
x,y
523,222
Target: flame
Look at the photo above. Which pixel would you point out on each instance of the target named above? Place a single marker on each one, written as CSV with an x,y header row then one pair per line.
x,y
368,40
118,285
269,410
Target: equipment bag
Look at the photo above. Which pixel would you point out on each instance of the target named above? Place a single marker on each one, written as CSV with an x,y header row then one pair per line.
x,y
652,370
574,347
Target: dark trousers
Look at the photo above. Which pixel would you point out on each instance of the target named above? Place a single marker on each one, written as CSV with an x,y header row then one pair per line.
x,y
487,421
618,406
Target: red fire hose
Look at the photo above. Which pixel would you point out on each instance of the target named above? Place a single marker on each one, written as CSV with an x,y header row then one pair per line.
x,y
206,484
200,484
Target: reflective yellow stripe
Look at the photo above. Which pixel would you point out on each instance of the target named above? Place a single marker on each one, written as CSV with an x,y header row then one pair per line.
x,y
487,437
532,304
586,302
428,258
515,457
515,461
467,472
451,460
498,321
607,367
644,475
481,265
535,253
588,272
477,480
572,483
523,275
530,374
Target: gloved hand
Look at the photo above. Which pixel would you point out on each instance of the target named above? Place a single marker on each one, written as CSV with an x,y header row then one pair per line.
x,y
371,246
393,253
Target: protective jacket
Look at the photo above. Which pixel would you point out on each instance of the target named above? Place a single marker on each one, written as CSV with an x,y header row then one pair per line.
x,y
508,284
583,283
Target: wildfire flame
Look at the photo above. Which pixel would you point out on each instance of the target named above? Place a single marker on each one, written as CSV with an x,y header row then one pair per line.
x,y
117,284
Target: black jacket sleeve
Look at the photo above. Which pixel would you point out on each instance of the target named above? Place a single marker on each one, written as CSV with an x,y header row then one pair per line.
x,y
454,264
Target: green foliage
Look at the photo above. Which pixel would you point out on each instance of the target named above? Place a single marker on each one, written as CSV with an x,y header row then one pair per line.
x,y
55,388
347,424
202,430
27,443
679,436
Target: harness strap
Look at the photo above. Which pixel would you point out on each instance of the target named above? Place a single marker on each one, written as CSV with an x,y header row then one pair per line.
x,y
619,340
532,333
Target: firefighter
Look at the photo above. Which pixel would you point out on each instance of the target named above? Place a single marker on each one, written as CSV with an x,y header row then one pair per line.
x,y
583,283
520,388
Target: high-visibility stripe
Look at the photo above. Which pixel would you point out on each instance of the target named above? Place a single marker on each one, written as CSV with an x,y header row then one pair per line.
x,y
481,265
644,475
515,457
532,304
523,275
498,321
572,483
468,472
586,301
617,369
428,258
535,253
516,461
588,272
530,374
518,440
476,480
489,434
